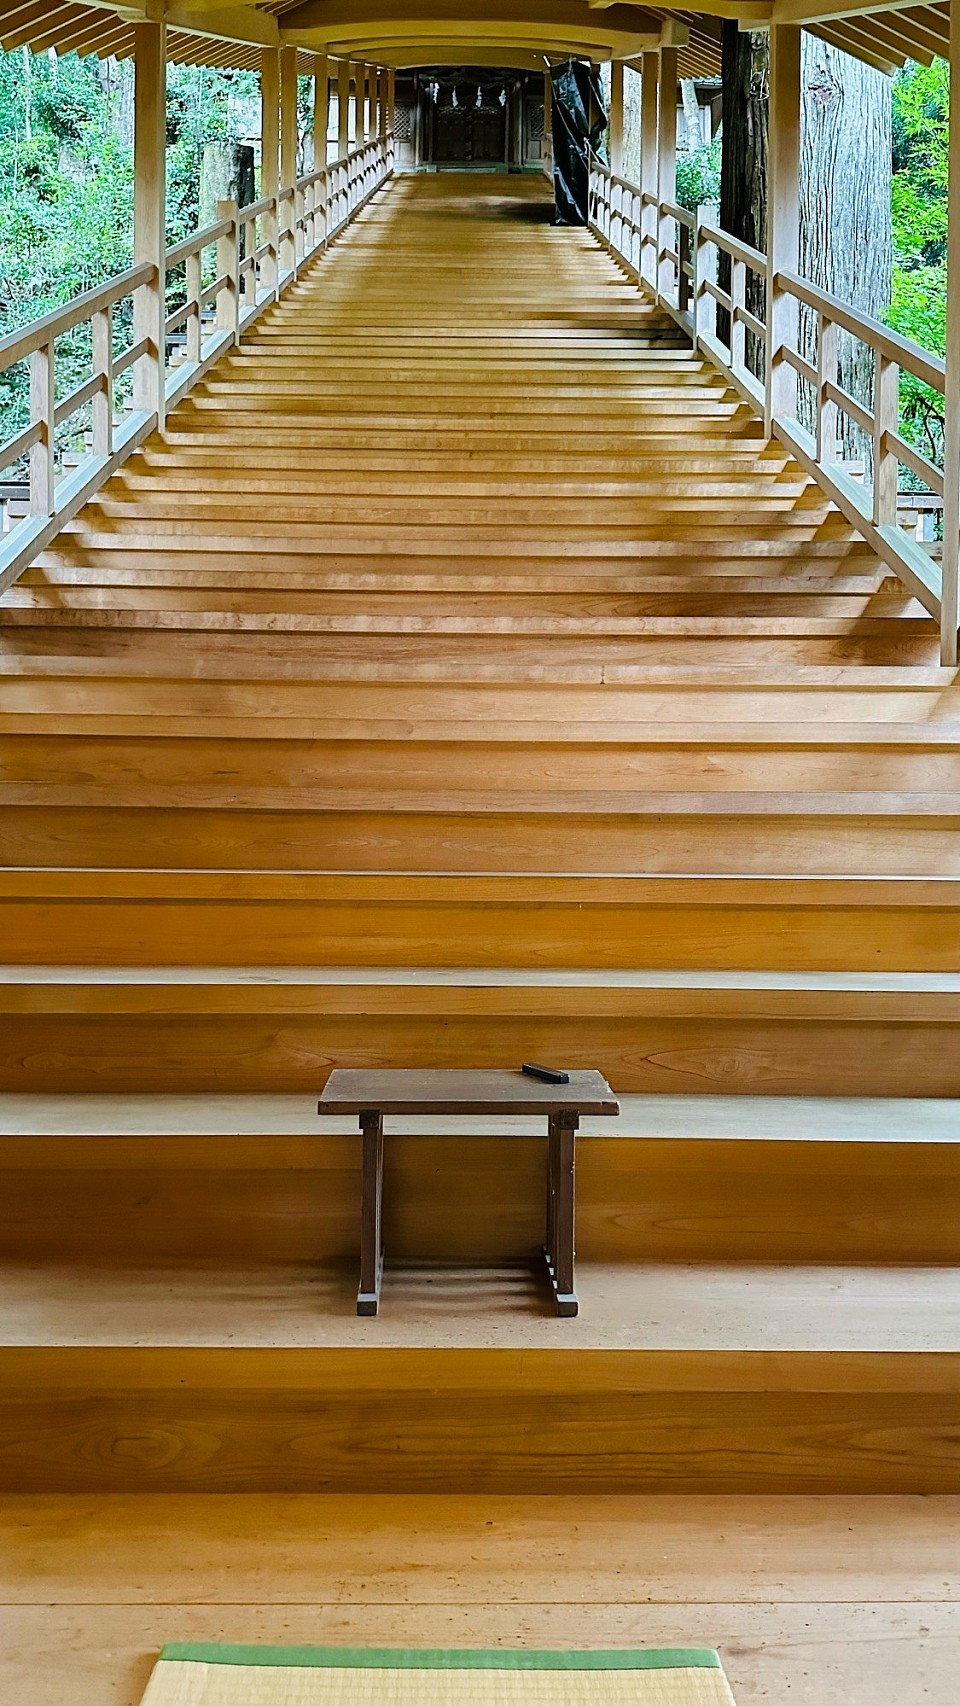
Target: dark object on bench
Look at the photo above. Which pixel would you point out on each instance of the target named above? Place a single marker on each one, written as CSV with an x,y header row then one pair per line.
x,y
373,1094
546,1074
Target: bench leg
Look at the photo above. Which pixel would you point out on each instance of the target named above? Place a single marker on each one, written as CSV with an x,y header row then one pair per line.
x,y
371,1213
561,1182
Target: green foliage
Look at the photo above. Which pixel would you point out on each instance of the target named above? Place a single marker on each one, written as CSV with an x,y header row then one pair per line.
x,y
66,188
919,199
698,176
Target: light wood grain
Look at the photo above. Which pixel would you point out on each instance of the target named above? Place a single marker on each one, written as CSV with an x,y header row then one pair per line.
x,y
827,1602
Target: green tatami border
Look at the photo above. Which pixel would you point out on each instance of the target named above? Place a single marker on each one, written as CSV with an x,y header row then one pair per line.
x,y
443,1658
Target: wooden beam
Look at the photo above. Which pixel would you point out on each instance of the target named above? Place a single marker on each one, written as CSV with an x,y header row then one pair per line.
x,y
270,154
149,212
321,110
649,167
783,218
288,156
343,108
949,594
828,11
667,152
616,116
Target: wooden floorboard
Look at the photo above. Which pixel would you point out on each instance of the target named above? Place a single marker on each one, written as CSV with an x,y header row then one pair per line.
x,y
811,1601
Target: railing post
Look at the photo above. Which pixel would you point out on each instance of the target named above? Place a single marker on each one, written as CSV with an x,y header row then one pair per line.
x,y
666,160
826,421
149,212
270,160
650,78
228,267
950,568
886,467
102,406
783,220
288,161
43,404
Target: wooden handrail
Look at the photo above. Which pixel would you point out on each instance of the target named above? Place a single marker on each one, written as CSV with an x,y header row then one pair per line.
x,y
200,240
668,275
296,224
16,346
920,362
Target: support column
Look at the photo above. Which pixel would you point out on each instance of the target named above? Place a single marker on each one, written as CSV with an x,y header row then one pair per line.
x,y
363,86
950,603
667,157
150,212
353,107
783,218
321,111
649,169
343,108
270,155
288,158
616,117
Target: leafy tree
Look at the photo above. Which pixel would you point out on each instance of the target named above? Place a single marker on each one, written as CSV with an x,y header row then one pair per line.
x,y
918,307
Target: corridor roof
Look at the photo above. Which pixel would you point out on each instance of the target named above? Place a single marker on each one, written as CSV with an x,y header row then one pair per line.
x,y
508,32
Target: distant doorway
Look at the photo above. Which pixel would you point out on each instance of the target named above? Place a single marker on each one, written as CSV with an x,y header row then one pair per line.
x,y
468,135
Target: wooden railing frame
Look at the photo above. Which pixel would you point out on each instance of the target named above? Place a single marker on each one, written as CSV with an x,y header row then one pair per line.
x,y
682,279
247,278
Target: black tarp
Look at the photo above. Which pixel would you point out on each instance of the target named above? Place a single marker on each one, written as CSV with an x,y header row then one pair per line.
x,y
579,121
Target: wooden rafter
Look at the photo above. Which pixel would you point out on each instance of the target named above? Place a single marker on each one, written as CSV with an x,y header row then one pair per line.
x,y
883,33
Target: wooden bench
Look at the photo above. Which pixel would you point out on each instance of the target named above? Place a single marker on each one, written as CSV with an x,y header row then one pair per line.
x,y
373,1094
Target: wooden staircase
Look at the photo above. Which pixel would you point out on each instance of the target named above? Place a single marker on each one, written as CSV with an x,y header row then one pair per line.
x,y
462,678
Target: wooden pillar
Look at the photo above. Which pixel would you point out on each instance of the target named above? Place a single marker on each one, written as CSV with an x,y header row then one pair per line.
x,y
950,601
783,217
649,168
616,117
288,157
150,211
321,111
353,106
667,156
270,155
382,82
343,108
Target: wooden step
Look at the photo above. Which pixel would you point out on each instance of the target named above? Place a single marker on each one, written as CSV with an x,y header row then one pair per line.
x,y
698,1178
190,918
258,1378
819,1600
162,1028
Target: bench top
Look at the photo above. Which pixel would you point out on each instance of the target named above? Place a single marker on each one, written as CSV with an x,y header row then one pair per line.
x,y
349,1091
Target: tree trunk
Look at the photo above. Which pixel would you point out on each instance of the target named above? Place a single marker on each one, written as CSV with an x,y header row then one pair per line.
x,y
846,244
691,114
745,64
226,174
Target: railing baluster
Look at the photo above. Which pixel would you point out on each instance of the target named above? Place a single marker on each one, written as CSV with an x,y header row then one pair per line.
x,y
738,331
102,406
194,284
827,371
886,467
43,385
